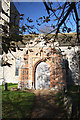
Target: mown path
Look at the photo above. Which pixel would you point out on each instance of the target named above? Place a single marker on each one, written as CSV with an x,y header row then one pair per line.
x,y
46,106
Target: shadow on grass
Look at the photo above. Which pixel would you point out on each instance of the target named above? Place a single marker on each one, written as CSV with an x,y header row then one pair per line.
x,y
46,106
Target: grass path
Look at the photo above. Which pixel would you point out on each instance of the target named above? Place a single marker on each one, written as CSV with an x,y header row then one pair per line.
x,y
46,106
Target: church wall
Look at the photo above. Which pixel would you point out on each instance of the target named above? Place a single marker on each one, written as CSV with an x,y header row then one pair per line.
x,y
72,77
9,72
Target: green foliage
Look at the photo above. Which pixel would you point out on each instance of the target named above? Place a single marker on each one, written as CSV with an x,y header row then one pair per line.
x,y
74,94
73,88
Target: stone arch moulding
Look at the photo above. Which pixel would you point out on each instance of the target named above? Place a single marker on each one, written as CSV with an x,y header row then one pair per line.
x,y
34,70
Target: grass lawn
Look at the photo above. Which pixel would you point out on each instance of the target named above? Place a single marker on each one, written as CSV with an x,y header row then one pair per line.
x,y
10,85
16,104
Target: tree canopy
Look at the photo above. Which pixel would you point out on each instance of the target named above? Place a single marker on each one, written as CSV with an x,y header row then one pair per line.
x,y
60,15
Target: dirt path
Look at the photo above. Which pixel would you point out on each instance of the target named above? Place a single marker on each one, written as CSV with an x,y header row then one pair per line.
x,y
46,106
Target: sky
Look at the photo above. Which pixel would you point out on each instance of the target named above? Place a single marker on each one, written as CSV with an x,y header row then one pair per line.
x,y
31,9
35,10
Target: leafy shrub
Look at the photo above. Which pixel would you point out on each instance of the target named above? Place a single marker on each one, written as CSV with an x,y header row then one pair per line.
x,y
73,88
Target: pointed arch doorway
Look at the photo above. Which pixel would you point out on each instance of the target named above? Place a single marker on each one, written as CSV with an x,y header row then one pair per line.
x,y
42,76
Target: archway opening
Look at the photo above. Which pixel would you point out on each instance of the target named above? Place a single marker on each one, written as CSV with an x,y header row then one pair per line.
x,y
42,76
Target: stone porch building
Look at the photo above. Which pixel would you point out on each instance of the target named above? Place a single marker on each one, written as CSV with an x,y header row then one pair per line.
x,y
40,66
51,74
